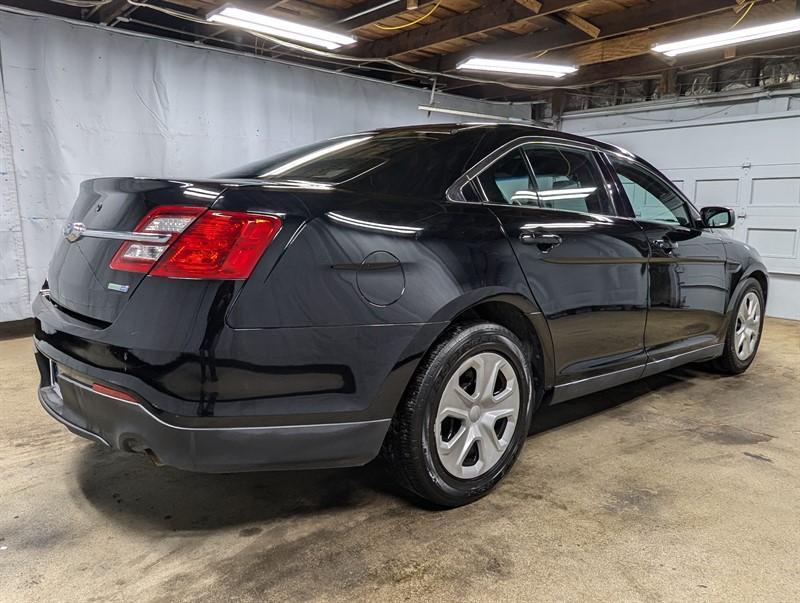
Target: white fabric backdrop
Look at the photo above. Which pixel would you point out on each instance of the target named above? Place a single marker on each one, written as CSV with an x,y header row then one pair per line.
x,y
80,102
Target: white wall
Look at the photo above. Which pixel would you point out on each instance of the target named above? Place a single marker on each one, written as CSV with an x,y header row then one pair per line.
x,y
80,102
740,152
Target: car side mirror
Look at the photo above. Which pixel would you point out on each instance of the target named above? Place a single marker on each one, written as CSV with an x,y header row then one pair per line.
x,y
718,217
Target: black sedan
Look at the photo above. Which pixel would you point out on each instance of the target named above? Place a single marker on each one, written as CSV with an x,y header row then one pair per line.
x,y
414,292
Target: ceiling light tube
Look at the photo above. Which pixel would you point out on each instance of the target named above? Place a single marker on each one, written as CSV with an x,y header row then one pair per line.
x,y
516,67
237,17
728,38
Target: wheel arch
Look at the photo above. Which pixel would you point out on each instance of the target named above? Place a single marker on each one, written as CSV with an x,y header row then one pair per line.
x,y
519,314
528,326
757,272
763,280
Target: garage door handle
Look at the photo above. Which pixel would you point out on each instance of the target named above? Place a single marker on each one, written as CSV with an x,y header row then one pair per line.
x,y
544,240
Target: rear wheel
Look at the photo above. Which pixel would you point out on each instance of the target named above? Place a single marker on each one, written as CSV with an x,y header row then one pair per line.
x,y
744,330
464,419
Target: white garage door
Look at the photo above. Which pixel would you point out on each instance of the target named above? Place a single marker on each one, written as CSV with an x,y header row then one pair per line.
x,y
749,163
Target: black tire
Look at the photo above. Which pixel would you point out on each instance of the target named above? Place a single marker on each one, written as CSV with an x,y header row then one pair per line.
x,y
409,448
729,362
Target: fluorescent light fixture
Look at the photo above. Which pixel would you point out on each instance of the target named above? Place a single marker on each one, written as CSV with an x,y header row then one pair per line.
x,y
435,109
517,67
230,15
728,38
319,153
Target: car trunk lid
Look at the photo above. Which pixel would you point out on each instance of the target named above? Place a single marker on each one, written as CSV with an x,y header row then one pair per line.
x,y
80,278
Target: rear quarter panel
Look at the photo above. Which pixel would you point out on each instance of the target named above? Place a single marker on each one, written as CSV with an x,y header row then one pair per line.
x,y
340,267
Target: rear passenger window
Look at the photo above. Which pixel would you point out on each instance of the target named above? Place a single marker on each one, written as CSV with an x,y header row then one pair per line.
x,y
567,179
508,180
550,177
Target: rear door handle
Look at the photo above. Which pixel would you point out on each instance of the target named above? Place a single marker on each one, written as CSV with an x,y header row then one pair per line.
x,y
544,240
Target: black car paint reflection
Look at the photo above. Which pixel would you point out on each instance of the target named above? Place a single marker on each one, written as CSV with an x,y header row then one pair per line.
x,y
365,275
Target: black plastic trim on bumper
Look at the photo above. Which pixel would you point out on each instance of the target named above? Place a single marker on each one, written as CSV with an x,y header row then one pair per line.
x,y
49,399
129,426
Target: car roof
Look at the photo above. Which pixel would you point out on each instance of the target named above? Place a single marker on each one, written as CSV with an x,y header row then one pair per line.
x,y
508,132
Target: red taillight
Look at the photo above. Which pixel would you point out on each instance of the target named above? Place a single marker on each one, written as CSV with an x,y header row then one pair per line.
x,y
166,219
219,245
215,245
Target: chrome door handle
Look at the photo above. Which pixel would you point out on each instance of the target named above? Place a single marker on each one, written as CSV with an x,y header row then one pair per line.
x,y
664,245
544,240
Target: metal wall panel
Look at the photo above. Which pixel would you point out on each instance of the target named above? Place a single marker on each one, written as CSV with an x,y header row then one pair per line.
x,y
743,154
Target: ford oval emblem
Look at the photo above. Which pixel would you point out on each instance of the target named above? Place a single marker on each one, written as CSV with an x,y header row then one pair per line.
x,y
73,231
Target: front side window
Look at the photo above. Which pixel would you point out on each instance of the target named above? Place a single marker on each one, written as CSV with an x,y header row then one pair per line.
x,y
550,177
651,198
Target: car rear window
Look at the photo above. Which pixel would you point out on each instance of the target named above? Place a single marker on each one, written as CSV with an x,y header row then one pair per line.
x,y
416,162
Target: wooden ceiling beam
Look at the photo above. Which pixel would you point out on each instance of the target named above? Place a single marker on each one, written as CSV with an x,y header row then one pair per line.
x,y
532,5
647,64
372,11
499,13
610,24
644,66
641,66
305,10
578,22
642,42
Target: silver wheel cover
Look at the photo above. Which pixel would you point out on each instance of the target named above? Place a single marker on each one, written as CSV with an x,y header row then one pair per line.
x,y
477,415
748,326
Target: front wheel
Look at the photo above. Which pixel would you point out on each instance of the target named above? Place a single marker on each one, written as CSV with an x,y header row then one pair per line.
x,y
744,330
465,416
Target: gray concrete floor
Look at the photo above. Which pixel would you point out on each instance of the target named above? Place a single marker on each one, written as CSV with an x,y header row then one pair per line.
x,y
684,486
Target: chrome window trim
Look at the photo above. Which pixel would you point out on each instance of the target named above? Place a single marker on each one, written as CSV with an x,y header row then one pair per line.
x,y
454,191
455,195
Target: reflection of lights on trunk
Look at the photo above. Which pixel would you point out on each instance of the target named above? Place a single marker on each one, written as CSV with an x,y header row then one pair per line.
x,y
404,230
728,38
237,17
319,153
200,193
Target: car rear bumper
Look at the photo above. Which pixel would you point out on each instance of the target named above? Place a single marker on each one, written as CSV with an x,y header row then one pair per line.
x,y
233,400
129,426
